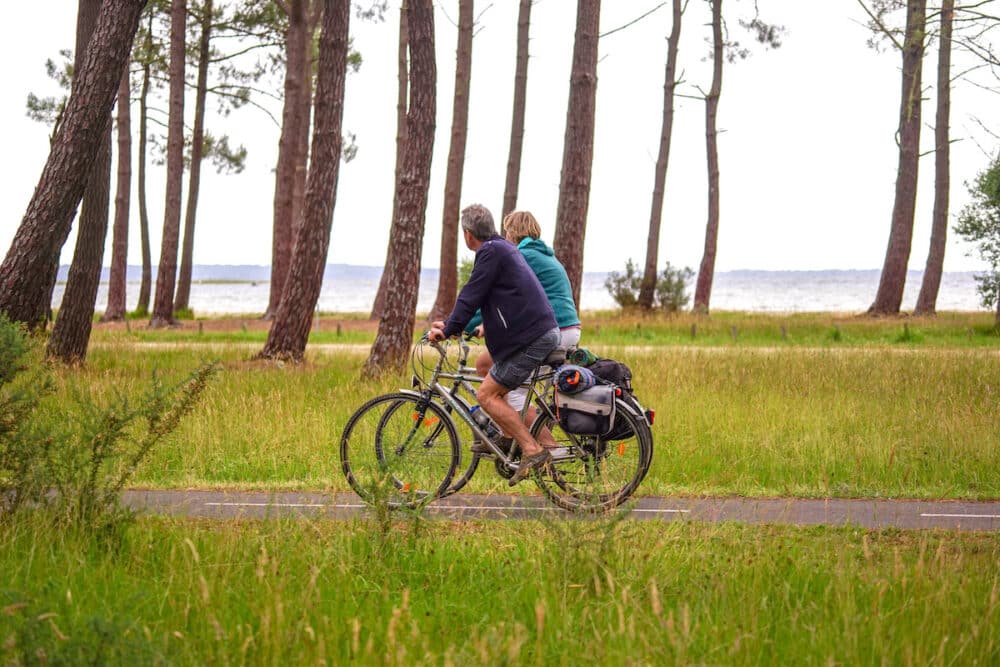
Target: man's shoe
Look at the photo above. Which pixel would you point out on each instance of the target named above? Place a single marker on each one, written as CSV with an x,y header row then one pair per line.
x,y
530,463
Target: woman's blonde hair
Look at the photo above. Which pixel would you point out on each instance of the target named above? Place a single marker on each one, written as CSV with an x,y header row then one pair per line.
x,y
519,224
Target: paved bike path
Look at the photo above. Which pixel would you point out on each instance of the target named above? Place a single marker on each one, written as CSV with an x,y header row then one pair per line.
x,y
867,513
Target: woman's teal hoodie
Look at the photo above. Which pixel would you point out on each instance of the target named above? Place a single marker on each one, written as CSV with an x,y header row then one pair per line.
x,y
552,276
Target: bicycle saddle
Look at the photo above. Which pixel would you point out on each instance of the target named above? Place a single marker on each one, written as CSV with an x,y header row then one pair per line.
x,y
557,357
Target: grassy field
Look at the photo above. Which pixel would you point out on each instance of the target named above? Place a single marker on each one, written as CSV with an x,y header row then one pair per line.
x,y
749,405
498,593
867,415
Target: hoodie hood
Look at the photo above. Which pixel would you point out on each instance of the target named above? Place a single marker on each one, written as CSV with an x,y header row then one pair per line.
x,y
537,245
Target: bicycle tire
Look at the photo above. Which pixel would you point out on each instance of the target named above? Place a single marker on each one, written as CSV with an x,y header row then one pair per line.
x,y
458,480
592,474
400,449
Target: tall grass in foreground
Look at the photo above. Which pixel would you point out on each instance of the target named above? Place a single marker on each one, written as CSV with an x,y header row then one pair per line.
x,y
300,592
805,422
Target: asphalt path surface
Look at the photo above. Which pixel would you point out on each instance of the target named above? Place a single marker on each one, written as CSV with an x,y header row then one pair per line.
x,y
866,513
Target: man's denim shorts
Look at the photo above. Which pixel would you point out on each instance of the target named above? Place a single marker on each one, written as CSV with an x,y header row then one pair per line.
x,y
518,367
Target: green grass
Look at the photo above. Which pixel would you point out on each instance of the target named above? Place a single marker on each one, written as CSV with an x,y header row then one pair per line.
x,y
740,329
487,593
722,329
903,421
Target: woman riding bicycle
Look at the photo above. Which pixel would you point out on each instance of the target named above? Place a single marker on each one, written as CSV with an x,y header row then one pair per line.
x,y
522,229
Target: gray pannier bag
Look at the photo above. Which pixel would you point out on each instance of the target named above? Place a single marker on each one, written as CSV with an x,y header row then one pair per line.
x,y
587,412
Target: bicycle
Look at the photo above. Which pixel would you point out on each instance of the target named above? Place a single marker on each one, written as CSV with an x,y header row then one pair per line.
x,y
403,448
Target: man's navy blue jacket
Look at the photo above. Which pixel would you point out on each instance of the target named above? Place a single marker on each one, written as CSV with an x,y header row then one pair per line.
x,y
515,308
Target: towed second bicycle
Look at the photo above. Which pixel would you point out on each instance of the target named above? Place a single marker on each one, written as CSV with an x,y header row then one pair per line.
x,y
405,448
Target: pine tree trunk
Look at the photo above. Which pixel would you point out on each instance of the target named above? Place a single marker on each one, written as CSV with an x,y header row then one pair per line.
x,y
28,268
290,330
183,295
166,273
119,244
448,274
142,306
927,300
288,145
648,289
395,331
578,146
305,110
517,115
71,332
402,89
706,272
889,297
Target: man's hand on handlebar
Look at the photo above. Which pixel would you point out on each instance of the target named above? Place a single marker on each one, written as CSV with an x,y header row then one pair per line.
x,y
436,333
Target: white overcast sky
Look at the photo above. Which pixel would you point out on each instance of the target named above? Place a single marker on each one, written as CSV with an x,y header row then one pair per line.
x,y
807,148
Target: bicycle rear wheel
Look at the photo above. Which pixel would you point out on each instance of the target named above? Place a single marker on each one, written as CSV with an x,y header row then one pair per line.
x,y
399,449
589,473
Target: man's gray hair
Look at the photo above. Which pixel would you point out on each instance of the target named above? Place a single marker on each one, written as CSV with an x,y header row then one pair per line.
x,y
479,221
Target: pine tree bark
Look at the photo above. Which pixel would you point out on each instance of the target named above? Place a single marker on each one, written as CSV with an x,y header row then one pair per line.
x,y
402,103
29,266
448,273
889,296
71,333
706,272
648,288
578,146
395,331
289,332
288,147
183,294
119,243
927,299
517,115
166,272
145,282
305,110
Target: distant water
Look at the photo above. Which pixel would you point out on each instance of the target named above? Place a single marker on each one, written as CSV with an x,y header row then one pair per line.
x,y
221,289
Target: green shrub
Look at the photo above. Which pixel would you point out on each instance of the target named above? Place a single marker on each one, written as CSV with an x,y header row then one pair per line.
x,y
465,271
74,463
671,287
624,287
979,223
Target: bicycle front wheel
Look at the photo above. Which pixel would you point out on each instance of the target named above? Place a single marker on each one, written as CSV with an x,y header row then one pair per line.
x,y
399,449
590,473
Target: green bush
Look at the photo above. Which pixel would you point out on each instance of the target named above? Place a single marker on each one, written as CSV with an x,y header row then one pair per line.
x,y
73,465
979,223
624,288
671,287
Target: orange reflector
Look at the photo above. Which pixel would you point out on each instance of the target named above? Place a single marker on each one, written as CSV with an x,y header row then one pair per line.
x,y
621,449
416,416
406,488
430,421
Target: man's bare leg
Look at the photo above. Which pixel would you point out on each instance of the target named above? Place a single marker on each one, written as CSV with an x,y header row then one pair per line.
x,y
491,397
484,362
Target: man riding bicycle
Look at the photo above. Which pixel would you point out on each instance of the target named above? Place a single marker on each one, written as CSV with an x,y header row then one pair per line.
x,y
520,326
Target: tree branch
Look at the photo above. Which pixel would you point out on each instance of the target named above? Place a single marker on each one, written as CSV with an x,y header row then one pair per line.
x,y
881,26
632,22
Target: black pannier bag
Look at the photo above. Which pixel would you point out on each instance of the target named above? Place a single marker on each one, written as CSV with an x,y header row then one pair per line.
x,y
588,412
614,372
